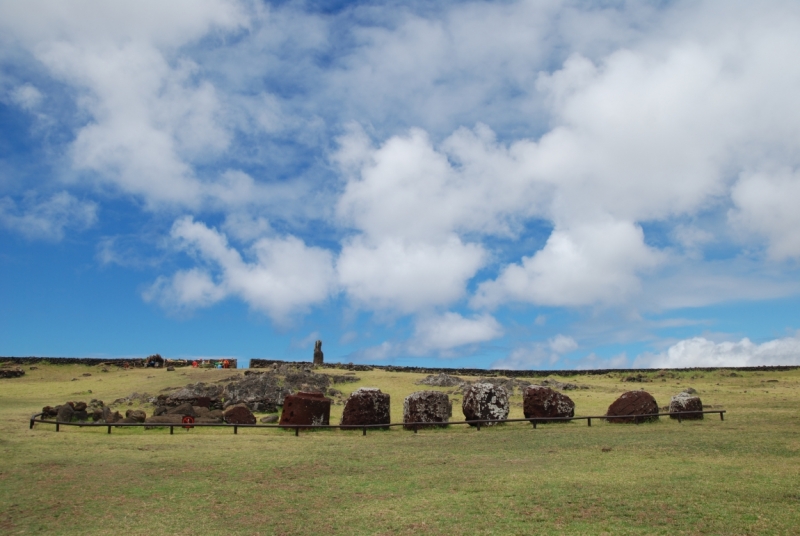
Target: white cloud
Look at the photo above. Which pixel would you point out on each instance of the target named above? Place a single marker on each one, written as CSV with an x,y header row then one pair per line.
x,y
26,96
581,266
766,205
47,219
536,354
451,330
285,277
701,352
405,276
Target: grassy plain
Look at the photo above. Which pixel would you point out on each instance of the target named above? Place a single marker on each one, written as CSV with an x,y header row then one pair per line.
x,y
737,476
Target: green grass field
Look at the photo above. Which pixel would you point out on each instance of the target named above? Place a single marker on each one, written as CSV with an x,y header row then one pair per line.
x,y
737,476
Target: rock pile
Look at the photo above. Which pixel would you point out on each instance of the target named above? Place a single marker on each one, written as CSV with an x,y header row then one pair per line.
x,y
632,403
541,401
306,409
426,407
441,380
484,401
14,372
366,406
685,402
239,414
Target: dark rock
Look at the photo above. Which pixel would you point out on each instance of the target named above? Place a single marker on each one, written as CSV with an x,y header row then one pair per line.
x,y
484,401
80,406
641,378
685,402
128,420
343,378
211,420
136,414
184,409
81,415
306,409
215,414
426,407
34,368
97,414
170,369
65,413
164,419
441,380
239,414
11,372
49,411
203,402
632,403
318,355
160,410
366,406
111,417
540,401
690,391
192,392
87,374
269,419
334,392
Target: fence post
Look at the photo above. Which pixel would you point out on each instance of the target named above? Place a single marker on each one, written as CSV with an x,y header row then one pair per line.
x,y
479,426
365,431
296,431
589,420
58,427
235,430
109,429
171,430
721,415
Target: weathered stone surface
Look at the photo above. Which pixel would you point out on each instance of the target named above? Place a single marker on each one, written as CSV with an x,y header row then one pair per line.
x,y
80,406
192,392
632,403
540,401
170,369
11,372
240,414
269,419
136,414
685,402
184,409
306,408
81,415
49,411
484,401
97,414
215,414
426,407
441,380
164,419
366,406
160,410
111,417
65,413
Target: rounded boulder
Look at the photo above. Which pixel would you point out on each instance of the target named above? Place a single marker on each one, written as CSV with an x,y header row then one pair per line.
x,y
683,402
541,401
426,407
484,401
632,407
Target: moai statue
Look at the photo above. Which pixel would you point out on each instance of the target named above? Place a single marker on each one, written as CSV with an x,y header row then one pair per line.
x,y
318,353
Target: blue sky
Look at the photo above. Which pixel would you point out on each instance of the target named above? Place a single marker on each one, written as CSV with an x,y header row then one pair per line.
x,y
540,184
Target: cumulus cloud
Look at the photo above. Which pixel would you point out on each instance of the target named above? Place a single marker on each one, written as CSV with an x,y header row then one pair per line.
x,y
285,276
451,330
701,352
47,219
536,354
581,266
26,96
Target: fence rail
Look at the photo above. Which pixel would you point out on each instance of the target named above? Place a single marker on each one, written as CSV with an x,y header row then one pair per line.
x,y
37,417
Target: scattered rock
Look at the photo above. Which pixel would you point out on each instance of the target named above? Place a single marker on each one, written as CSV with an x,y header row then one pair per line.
x,y
269,419
690,391
343,378
441,380
562,386
239,414
104,370
74,379
306,408
366,406
49,411
426,407
606,449
334,392
685,402
136,414
160,410
170,369
65,413
34,368
81,415
484,401
185,409
163,419
86,374
632,403
541,401
11,372
79,406
111,417
641,378
97,414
